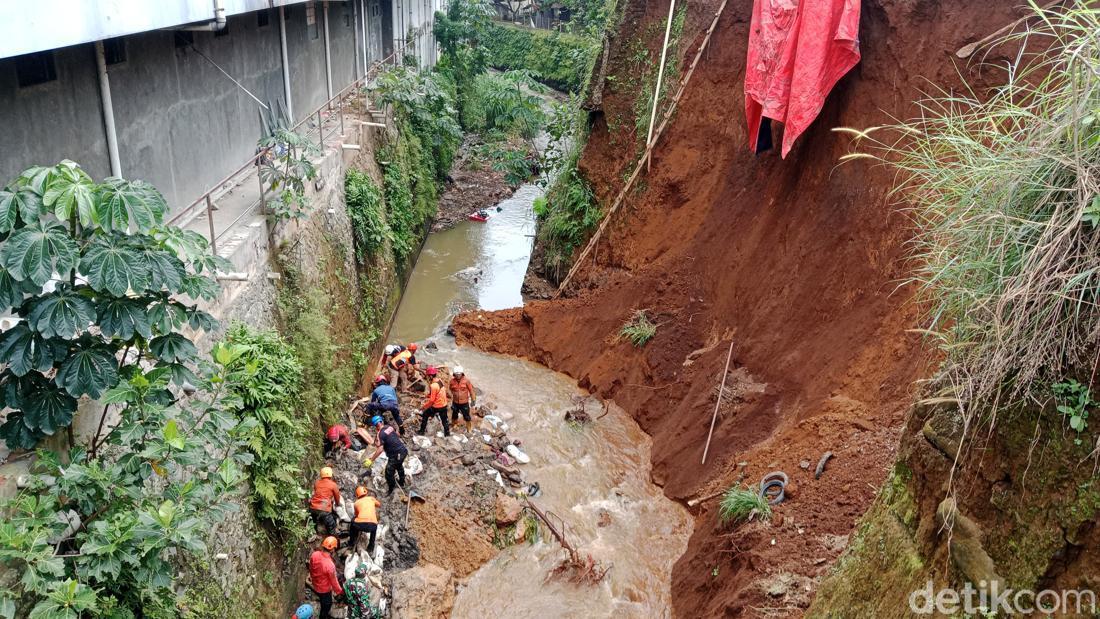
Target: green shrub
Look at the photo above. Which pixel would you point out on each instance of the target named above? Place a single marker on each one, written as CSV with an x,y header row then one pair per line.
x,y
1003,192
271,395
366,210
567,217
742,504
424,104
501,102
559,60
639,329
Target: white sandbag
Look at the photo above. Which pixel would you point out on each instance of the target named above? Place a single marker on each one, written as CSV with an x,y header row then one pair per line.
x,y
342,512
379,555
422,441
413,466
488,439
350,565
382,529
516,453
493,420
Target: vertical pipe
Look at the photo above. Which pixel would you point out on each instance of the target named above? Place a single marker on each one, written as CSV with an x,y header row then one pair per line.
x,y
320,132
286,65
366,37
328,56
355,34
108,110
657,91
263,193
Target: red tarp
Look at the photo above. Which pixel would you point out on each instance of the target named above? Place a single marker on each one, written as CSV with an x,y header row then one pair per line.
x,y
797,52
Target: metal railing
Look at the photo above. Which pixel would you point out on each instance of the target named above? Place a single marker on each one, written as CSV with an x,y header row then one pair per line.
x,y
317,126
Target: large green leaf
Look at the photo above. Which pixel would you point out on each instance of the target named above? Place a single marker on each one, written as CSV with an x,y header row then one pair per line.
x,y
13,291
62,313
36,178
25,350
48,409
167,315
39,249
173,348
111,266
17,435
187,244
178,373
89,371
122,203
200,287
122,317
16,203
69,191
166,271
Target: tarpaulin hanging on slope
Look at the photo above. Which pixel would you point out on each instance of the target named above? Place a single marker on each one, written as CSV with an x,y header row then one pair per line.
x,y
798,50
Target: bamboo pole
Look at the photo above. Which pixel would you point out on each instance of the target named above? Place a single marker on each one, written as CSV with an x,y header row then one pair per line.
x,y
718,402
638,168
657,90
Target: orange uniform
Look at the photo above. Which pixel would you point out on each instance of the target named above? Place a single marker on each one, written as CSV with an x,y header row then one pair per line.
x,y
462,390
437,396
325,494
366,509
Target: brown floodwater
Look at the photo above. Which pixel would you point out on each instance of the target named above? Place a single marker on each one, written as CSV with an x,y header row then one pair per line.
x,y
585,472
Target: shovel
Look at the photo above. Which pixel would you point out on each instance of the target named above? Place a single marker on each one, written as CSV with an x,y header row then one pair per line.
x,y
412,495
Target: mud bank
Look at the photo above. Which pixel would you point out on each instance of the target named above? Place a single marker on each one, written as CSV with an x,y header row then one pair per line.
x,y
795,261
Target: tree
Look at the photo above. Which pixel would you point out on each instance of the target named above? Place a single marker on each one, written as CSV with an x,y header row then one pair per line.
x,y
95,276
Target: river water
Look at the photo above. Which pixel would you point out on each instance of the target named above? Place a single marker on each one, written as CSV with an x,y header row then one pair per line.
x,y
582,471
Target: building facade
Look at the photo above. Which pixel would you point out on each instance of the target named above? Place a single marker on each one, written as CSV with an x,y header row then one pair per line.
x,y
174,91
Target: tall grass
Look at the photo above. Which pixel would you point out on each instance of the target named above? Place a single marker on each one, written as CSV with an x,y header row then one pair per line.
x,y
743,504
1004,189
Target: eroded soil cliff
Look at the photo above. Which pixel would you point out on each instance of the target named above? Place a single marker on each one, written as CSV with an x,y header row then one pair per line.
x,y
797,262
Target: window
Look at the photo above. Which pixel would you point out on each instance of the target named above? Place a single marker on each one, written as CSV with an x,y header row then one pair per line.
x,y
114,51
184,38
37,68
263,18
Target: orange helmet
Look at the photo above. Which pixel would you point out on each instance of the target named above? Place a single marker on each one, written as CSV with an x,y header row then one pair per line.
x,y
330,543
360,492
326,472
431,371
412,347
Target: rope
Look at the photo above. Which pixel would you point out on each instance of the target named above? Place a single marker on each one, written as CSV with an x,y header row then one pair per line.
x,y
645,156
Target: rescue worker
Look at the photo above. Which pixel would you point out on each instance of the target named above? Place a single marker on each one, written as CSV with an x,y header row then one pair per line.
x,y
382,400
337,436
357,590
366,518
395,449
436,402
322,574
462,397
326,494
403,363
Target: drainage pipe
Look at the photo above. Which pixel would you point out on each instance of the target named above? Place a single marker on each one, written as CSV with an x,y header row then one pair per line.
x,y
286,65
355,33
366,36
328,56
217,24
108,110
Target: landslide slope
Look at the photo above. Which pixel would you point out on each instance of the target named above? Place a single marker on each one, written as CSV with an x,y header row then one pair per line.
x,y
797,262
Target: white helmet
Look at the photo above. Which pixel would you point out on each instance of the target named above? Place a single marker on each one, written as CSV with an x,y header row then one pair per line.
x,y
457,370
390,349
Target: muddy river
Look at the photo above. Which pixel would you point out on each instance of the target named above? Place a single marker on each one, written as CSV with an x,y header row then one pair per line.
x,y
601,469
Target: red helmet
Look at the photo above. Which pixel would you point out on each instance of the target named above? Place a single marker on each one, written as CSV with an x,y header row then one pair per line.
x,y
381,378
431,371
412,347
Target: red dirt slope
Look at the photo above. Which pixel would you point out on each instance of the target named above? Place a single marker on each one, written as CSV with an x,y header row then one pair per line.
x,y
795,261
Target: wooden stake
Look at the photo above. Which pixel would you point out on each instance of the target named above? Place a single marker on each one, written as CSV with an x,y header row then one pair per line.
x,y
645,157
657,90
721,390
